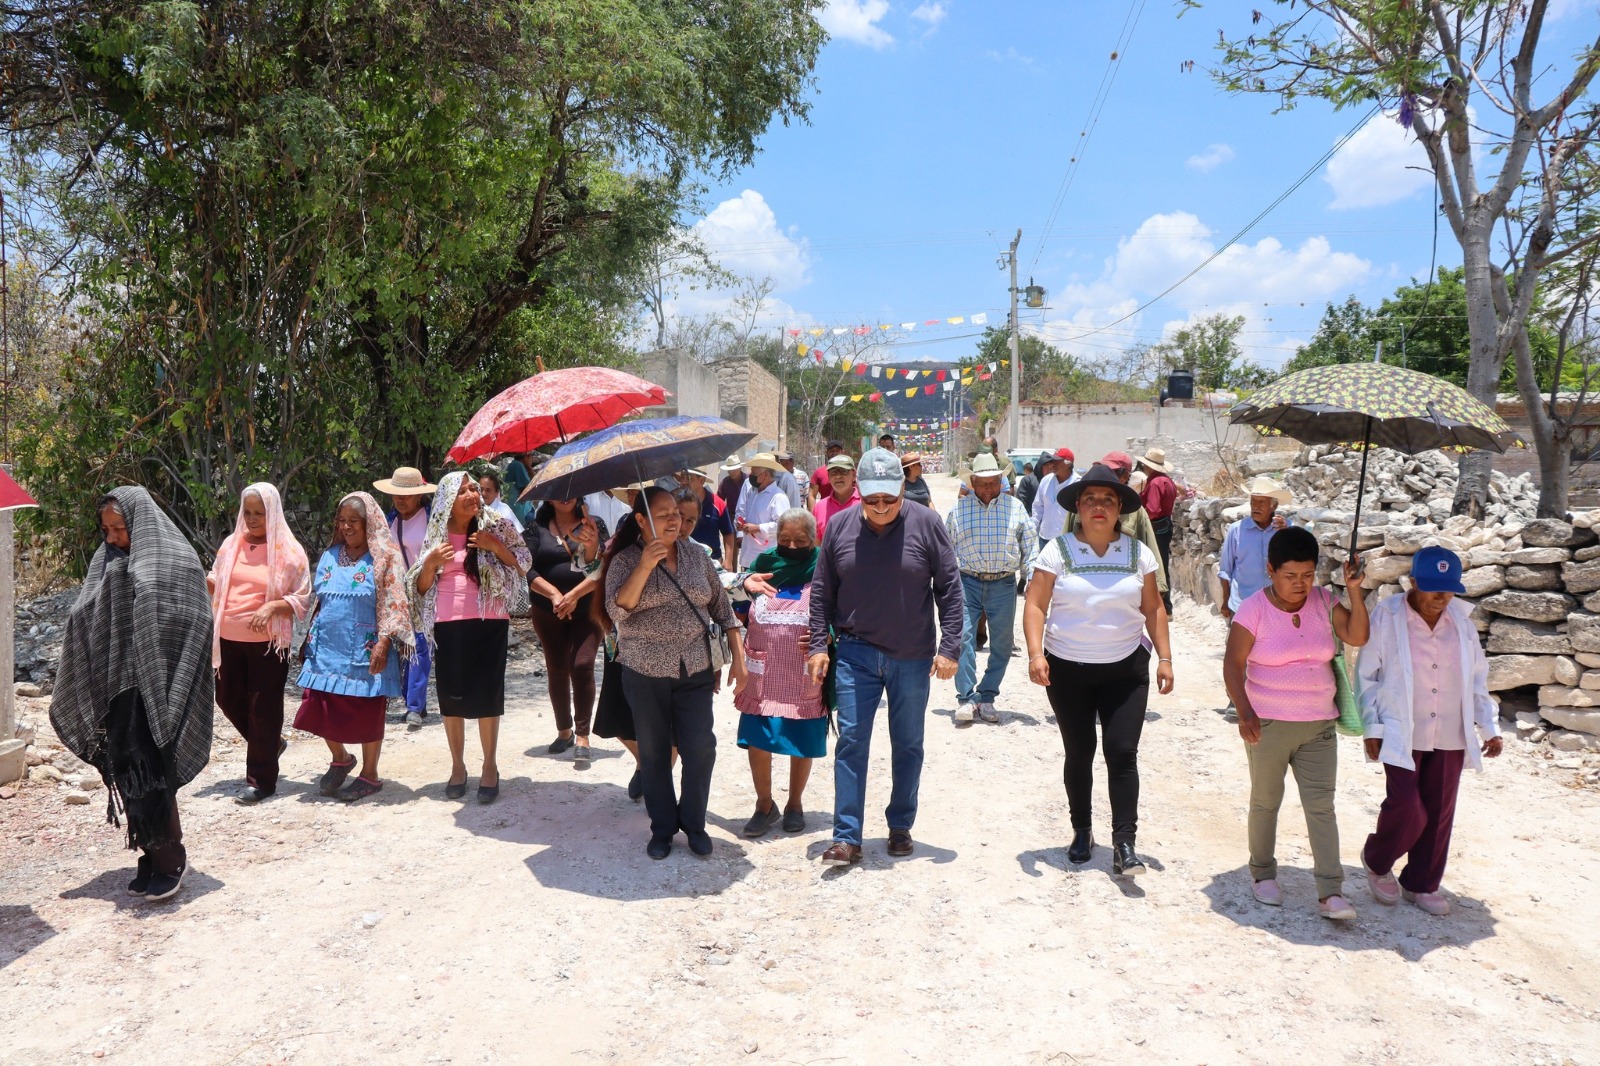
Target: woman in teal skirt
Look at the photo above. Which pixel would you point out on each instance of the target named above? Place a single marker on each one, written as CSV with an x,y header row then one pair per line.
x,y
782,711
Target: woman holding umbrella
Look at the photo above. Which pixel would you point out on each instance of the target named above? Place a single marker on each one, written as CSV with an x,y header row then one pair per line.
x,y
665,598
472,560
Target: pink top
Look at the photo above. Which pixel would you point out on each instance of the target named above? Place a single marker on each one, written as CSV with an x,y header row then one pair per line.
x,y
458,598
1289,675
827,507
1435,684
779,686
247,594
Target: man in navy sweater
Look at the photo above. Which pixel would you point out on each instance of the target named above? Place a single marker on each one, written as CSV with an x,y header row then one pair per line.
x,y
883,567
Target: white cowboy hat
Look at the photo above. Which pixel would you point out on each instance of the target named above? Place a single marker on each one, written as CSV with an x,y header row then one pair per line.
x,y
1156,459
405,481
765,461
1261,485
983,465
734,463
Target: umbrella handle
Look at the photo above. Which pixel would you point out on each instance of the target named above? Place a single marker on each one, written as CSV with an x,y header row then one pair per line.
x,y
1361,485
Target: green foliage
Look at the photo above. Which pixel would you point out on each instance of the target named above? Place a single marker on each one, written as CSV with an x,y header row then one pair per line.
x,y
309,240
1210,349
1049,375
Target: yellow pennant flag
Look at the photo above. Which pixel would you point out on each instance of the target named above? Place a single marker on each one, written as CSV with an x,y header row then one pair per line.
x,y
818,332
888,371
801,350
858,397
966,381
1005,362
911,392
956,321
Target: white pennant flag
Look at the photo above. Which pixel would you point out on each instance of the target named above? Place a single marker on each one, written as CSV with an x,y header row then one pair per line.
x,y
841,331
993,367
908,326
877,371
979,319
838,401
949,385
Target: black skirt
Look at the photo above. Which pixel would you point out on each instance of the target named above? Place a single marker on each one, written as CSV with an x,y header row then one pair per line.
x,y
613,718
469,667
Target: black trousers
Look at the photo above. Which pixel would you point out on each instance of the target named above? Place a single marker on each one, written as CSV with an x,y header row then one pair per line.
x,y
668,711
1116,694
250,693
1163,531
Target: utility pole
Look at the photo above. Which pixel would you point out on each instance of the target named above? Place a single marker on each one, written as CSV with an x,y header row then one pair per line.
x,y
1016,352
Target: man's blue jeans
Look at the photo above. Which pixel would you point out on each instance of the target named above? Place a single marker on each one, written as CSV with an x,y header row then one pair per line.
x,y
998,600
864,673
415,681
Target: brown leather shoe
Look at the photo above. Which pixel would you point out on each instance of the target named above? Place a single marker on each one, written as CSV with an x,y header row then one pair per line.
x,y
841,854
900,842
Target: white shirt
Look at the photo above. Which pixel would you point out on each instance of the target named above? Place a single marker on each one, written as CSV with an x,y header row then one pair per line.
x,y
1048,515
412,532
760,508
604,507
1094,607
501,508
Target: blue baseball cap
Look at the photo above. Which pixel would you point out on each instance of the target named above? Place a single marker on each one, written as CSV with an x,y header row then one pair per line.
x,y
1437,570
879,473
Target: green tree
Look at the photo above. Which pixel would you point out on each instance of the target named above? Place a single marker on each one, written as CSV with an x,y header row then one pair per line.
x,y
308,239
1049,375
1210,350
1503,184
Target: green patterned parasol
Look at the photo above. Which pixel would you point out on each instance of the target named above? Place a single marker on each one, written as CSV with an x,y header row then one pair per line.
x,y
1373,403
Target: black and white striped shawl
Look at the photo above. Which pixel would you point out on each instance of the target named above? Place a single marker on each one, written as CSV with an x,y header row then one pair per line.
x,y
142,620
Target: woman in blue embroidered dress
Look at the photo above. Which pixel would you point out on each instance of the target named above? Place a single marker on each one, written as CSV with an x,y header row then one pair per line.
x,y
361,630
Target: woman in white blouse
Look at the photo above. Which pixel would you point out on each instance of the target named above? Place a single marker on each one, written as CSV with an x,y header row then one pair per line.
x,y
1091,602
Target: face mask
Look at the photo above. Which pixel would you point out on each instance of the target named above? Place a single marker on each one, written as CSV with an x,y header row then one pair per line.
x,y
796,555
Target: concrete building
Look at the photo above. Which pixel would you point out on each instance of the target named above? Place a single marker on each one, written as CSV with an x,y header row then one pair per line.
x,y
753,398
692,385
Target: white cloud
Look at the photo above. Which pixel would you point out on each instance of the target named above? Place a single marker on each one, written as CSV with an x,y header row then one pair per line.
x,y
1377,166
1240,281
857,20
744,236
1210,159
930,13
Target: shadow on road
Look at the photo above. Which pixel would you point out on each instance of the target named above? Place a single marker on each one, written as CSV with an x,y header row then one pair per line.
x,y
1402,929
590,838
21,930
112,887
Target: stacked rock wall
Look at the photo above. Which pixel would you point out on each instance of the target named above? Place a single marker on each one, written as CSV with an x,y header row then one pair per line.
x,y
1534,583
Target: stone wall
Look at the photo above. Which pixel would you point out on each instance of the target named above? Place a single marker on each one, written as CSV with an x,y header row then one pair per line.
x,y
1534,584
753,398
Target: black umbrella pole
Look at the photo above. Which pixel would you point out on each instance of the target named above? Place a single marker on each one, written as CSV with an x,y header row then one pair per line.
x,y
1361,486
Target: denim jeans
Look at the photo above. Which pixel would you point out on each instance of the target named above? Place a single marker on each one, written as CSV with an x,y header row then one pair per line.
x,y
864,673
415,680
997,600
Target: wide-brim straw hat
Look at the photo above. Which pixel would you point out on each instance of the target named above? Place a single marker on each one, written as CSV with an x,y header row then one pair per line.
x,y
405,481
620,493
1099,476
765,461
733,465
983,465
1156,459
1261,485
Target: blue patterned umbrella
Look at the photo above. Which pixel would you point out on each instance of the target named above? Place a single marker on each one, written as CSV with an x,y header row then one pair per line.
x,y
635,451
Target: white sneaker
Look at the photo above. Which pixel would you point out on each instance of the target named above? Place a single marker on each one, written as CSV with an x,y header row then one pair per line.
x,y
987,712
964,714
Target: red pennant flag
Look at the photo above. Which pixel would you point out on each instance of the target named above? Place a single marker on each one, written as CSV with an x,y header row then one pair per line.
x,y
941,375
794,333
862,331
819,355
985,376
927,390
875,397
933,321
861,369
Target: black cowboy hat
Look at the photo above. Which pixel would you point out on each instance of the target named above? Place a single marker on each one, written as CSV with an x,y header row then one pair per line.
x,y
1101,476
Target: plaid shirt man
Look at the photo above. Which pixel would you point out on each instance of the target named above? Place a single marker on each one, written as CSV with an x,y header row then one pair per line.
x,y
995,538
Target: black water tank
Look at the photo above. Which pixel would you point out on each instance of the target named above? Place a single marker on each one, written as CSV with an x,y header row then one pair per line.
x,y
1180,385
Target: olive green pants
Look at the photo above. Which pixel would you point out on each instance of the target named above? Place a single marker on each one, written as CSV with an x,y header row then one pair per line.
x,y
1311,750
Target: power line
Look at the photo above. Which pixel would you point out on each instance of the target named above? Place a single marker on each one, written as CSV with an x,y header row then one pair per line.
x,y
1248,226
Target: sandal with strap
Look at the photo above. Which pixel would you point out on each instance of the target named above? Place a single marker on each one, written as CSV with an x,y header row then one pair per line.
x,y
337,772
359,789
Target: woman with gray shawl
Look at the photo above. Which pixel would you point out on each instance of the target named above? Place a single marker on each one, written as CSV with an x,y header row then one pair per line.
x,y
134,694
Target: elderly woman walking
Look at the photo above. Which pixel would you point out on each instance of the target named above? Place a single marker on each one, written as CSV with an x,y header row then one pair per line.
x,y
461,588
564,543
1092,600
133,697
260,583
666,599
783,712
1425,703
1278,668
360,634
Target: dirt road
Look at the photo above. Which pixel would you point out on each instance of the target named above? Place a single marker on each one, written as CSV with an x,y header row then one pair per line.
x,y
412,929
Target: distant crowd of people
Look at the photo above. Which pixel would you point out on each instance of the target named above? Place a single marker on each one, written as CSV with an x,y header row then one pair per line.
x,y
813,603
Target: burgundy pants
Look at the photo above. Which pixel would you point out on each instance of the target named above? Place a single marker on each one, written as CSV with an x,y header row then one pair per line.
x,y
1417,816
569,646
250,693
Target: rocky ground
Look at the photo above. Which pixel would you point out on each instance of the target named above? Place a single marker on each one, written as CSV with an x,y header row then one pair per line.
x,y
412,929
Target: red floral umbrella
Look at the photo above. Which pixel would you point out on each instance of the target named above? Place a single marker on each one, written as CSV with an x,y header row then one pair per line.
x,y
554,405
13,495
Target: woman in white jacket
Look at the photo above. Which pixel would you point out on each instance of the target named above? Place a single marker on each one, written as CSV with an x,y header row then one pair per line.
x,y
1425,703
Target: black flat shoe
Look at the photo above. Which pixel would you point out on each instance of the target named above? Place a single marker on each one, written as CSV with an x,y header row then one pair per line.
x,y
560,744
1082,846
659,847
488,793
1125,862
250,796
454,791
700,843
635,787
141,877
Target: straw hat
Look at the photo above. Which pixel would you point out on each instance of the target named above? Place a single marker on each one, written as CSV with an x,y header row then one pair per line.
x,y
765,461
733,465
1156,459
406,481
983,465
910,459
620,493
1261,485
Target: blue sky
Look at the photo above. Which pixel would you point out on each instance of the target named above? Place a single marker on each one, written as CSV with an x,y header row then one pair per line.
x,y
939,128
